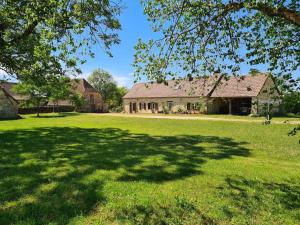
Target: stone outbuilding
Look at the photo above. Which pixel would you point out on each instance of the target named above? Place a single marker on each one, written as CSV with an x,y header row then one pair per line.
x,y
93,101
8,105
215,94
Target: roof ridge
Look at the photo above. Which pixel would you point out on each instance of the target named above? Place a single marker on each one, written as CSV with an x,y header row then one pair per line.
x,y
8,94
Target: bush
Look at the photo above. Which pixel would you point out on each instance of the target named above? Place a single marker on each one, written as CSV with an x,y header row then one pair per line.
x,y
165,110
291,102
116,109
180,110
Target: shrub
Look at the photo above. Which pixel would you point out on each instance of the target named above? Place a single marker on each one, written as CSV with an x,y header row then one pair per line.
x,y
116,109
291,102
165,110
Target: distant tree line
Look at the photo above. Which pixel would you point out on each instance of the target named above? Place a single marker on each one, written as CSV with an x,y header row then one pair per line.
x,y
112,94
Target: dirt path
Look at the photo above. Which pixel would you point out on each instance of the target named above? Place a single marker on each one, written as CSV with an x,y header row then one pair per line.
x,y
154,116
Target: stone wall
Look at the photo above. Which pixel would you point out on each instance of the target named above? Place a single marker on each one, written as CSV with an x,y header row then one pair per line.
x,y
267,95
8,108
178,104
93,102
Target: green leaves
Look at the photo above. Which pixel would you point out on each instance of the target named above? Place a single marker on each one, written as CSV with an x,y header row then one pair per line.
x,y
103,81
42,37
199,37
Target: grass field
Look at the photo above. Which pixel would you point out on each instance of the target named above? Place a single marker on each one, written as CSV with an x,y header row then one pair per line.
x,y
93,169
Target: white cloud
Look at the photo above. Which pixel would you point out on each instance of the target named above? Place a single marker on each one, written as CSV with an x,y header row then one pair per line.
x,y
2,73
123,81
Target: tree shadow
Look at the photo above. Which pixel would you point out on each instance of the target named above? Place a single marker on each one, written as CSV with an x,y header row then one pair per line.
x,y
257,198
179,211
44,172
56,115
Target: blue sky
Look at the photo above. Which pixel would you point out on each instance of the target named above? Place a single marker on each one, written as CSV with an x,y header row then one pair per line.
x,y
134,26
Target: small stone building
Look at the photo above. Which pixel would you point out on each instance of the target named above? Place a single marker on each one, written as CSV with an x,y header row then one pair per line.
x,y
213,95
8,105
93,101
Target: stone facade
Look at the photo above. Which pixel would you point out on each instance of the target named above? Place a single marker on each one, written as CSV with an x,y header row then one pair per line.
x,y
245,96
158,105
267,96
93,101
8,106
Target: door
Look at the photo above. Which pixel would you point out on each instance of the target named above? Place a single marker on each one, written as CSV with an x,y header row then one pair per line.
x,y
134,107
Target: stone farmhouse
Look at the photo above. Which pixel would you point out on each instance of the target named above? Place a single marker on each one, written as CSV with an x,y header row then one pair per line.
x,y
8,105
93,101
93,98
9,88
215,94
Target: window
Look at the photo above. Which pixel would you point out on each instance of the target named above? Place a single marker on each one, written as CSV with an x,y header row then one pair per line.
x,y
145,106
188,106
196,106
170,105
149,105
154,106
92,99
140,106
192,106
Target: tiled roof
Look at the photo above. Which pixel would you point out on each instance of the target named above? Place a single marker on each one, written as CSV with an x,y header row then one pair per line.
x,y
214,86
174,88
247,86
9,88
7,94
81,86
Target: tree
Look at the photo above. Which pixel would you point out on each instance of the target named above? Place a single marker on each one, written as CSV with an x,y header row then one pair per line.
x,y
103,81
291,102
60,89
44,37
112,94
77,100
37,94
116,101
200,37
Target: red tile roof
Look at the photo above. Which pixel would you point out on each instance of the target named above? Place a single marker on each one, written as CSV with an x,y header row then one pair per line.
x,y
81,85
214,86
7,94
247,86
174,88
9,88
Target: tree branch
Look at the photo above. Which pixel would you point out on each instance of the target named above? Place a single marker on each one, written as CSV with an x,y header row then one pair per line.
x,y
282,12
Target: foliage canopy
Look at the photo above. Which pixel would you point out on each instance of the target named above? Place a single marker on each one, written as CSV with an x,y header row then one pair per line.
x,y
200,37
42,38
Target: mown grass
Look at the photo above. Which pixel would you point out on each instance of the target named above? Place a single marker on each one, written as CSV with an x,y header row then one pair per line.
x,y
92,169
278,119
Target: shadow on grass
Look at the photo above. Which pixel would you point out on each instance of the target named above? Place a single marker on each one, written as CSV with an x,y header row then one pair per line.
x,y
179,211
48,174
56,115
257,198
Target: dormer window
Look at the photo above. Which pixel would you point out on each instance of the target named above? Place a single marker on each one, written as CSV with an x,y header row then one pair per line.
x,y
177,87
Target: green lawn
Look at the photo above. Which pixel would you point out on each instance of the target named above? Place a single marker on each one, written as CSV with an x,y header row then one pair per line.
x,y
278,119
93,169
